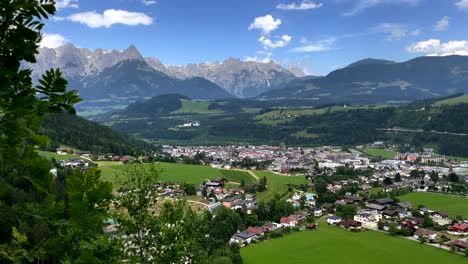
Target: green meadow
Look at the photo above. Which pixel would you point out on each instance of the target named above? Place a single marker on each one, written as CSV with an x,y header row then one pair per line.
x,y
277,184
454,205
58,157
174,172
329,244
380,153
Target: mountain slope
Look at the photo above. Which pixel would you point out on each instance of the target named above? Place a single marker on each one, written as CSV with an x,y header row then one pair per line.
x,y
134,80
420,78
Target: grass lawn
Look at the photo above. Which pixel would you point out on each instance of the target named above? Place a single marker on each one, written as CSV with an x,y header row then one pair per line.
x,y
199,107
373,190
380,153
49,155
277,184
454,205
173,172
333,245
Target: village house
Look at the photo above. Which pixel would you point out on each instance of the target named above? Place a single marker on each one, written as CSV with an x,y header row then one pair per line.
x,y
289,221
425,233
333,220
350,224
271,226
244,237
61,151
368,218
441,218
458,229
461,243
259,231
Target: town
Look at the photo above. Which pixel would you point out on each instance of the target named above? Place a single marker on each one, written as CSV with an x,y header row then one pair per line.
x,y
346,188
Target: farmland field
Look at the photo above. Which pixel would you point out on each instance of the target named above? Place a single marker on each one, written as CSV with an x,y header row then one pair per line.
x,y
380,153
174,172
58,157
277,184
333,245
454,205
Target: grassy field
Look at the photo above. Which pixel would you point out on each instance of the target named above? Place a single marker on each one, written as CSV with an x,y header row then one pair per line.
x,y
49,155
199,107
172,172
277,184
454,205
452,101
333,245
264,118
380,153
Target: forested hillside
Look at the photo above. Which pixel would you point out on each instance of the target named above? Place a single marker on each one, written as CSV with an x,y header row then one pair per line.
x,y
82,134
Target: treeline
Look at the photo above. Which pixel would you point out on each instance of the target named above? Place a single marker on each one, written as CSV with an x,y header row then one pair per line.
x,y
82,134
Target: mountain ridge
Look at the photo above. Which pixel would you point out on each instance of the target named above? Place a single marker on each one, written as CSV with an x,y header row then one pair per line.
x,y
240,78
418,78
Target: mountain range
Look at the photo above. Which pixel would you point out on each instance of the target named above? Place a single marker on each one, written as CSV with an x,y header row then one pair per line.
x,y
381,81
238,78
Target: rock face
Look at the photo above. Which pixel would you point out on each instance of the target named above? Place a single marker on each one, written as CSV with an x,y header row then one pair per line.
x,y
78,62
239,78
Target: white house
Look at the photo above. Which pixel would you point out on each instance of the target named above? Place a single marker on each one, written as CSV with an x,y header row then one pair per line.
x,y
333,219
244,237
368,218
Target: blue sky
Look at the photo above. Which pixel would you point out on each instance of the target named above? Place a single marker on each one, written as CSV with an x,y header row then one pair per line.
x,y
317,35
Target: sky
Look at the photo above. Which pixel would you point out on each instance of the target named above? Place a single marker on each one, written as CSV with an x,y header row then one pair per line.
x,y
318,36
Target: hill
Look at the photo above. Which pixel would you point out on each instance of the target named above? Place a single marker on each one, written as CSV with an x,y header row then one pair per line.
x,y
455,100
370,61
79,133
377,82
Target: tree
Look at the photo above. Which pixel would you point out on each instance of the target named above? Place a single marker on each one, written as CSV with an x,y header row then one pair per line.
x,y
453,177
434,176
393,230
428,222
155,233
242,183
39,224
388,181
397,177
346,211
302,201
262,186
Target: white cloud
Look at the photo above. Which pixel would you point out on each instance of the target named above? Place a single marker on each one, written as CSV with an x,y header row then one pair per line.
x,y
304,5
268,44
52,40
434,47
266,24
62,4
443,24
148,2
111,17
394,31
364,4
462,4
321,45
